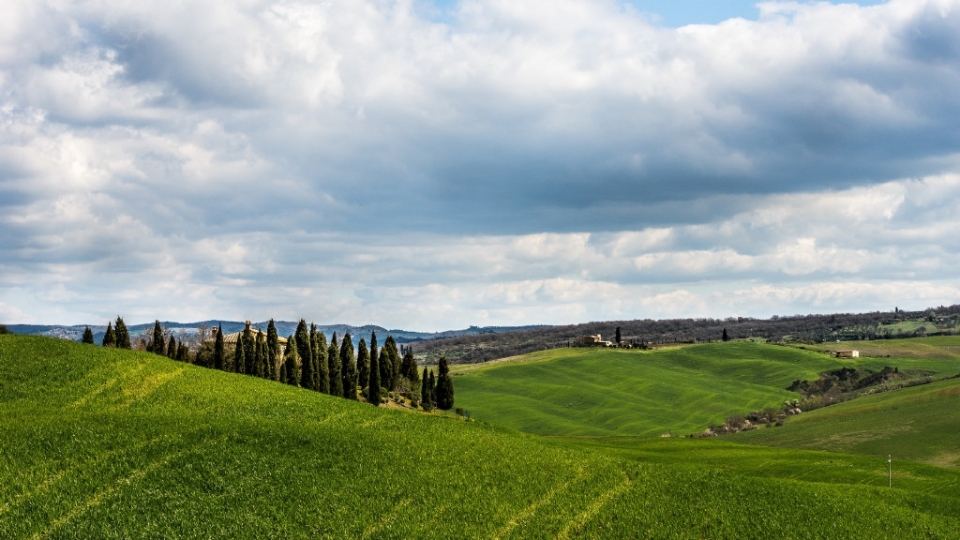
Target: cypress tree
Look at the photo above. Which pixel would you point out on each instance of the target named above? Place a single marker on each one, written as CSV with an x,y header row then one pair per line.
x,y
238,355
363,363
273,351
444,395
725,336
249,351
314,363
618,335
183,354
348,368
408,367
432,384
333,362
373,381
323,368
306,355
375,355
219,359
123,336
426,399
156,344
172,348
390,360
291,358
109,337
265,370
87,335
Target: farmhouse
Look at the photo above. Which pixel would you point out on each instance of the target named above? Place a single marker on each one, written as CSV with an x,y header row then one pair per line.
x,y
234,337
594,341
847,353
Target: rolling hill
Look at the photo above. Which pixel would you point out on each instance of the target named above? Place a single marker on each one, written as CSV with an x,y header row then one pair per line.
x,y
678,390
104,443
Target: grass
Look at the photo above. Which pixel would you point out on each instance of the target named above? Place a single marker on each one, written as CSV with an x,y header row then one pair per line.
x,y
101,443
921,424
606,392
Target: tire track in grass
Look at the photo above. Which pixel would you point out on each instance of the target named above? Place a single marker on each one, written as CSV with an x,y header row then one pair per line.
x,y
106,386
584,517
54,478
387,519
509,526
97,498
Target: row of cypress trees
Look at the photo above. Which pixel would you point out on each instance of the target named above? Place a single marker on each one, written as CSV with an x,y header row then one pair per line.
x,y
115,336
437,391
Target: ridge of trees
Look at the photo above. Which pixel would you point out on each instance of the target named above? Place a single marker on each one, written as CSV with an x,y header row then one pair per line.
x,y
802,328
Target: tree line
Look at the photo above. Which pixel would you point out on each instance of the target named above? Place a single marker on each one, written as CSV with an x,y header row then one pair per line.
x,y
306,360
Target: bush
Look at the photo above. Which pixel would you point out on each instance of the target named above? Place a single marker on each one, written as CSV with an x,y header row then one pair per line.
x,y
4,329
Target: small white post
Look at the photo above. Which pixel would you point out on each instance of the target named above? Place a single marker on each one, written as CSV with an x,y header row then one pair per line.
x,y
890,470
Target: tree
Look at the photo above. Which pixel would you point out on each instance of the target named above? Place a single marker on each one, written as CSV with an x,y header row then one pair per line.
x,y
348,368
323,368
219,359
155,344
363,363
390,364
432,384
273,351
87,335
249,351
444,395
306,355
183,353
314,358
333,364
123,336
725,336
172,348
289,373
110,337
263,357
408,367
373,382
618,335
426,391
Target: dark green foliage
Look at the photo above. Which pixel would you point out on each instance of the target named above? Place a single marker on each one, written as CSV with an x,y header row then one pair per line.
x,y
725,336
238,356
314,362
432,383
363,363
390,364
426,390
156,344
110,337
333,363
87,335
123,335
348,368
273,351
306,355
219,357
373,381
172,348
183,353
444,392
249,343
618,335
408,367
262,371
5,330
289,373
323,369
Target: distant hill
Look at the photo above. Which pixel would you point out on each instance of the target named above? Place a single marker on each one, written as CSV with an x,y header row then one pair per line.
x,y
284,328
804,328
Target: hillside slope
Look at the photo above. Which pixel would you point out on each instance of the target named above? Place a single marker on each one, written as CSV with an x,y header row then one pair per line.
x,y
603,392
102,443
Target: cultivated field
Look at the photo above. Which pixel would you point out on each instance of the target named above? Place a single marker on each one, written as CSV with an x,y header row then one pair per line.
x,y
103,443
603,392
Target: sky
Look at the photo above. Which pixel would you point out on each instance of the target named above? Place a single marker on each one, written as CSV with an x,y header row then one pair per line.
x,y
430,166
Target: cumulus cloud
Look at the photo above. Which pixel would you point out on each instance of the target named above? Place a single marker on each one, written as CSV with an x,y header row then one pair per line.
x,y
512,162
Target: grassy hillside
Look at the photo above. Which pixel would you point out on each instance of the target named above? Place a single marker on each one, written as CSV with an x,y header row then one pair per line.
x,y
601,392
102,443
918,424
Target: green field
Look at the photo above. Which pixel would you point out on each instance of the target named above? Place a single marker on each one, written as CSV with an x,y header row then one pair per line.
x,y
103,443
603,392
